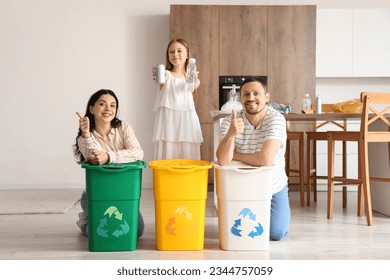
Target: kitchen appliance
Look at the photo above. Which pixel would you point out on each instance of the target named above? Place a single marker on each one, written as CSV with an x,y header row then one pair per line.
x,y
226,84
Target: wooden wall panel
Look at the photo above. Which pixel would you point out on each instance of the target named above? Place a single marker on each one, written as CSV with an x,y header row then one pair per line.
x,y
243,40
291,59
198,25
207,148
277,41
291,53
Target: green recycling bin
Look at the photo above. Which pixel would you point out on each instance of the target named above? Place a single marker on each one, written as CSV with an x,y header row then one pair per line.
x,y
113,192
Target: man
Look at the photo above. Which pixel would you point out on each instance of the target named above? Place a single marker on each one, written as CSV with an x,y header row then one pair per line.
x,y
257,136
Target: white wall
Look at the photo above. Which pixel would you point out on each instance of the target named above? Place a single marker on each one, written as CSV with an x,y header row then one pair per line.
x,y
54,54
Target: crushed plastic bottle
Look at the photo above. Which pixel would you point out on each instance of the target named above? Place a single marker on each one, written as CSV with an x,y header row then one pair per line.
x,y
232,103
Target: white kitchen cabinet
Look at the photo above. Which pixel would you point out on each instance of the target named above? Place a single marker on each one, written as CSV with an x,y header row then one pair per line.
x,y
353,43
371,43
334,43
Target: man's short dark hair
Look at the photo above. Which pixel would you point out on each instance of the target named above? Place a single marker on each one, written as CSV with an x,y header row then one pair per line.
x,y
260,80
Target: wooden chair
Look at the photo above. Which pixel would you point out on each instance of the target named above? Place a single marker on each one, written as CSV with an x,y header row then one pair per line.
x,y
367,134
311,155
296,136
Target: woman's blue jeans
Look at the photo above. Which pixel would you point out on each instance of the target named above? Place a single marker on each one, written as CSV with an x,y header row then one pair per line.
x,y
280,214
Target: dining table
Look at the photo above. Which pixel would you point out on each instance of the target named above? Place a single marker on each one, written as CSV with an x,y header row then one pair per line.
x,y
295,121
378,157
292,118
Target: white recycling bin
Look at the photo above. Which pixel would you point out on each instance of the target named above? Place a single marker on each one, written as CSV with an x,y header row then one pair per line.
x,y
244,200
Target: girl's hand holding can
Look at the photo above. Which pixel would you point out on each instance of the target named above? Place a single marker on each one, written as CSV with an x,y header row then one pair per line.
x,y
160,74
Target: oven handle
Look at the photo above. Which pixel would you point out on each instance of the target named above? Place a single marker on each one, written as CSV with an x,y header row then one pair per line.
x,y
230,87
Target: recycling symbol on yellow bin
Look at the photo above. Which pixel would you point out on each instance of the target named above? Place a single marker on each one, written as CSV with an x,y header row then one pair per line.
x,y
181,222
112,224
246,224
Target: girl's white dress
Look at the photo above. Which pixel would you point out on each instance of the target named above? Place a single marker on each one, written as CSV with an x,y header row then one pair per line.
x,y
177,133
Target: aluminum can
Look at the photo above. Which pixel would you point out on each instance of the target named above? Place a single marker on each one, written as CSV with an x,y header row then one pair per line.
x,y
160,74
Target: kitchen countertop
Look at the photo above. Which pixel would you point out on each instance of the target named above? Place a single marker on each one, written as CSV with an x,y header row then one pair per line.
x,y
301,117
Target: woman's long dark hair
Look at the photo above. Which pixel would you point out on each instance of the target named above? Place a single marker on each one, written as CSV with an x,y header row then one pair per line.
x,y
114,123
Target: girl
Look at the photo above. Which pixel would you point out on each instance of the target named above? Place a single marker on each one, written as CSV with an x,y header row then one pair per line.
x,y
177,132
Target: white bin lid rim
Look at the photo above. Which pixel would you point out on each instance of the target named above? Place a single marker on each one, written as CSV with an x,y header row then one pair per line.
x,y
239,165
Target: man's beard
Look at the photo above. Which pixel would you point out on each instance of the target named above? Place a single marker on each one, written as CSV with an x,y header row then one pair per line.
x,y
255,112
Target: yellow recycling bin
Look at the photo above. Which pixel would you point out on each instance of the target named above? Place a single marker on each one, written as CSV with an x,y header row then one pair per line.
x,y
180,193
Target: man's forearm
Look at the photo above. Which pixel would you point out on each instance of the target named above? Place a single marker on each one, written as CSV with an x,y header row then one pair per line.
x,y
264,157
249,159
225,150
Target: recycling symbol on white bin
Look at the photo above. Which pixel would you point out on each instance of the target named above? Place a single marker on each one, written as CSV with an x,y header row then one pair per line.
x,y
246,224
112,224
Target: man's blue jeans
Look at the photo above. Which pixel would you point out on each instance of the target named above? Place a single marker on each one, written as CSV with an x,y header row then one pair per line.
x,y
280,214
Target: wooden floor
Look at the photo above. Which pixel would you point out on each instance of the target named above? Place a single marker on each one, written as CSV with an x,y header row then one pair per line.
x,y
311,236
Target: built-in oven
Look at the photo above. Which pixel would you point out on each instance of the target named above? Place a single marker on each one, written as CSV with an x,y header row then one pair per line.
x,y
227,83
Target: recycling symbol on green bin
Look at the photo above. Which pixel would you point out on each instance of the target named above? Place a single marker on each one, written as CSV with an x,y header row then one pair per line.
x,y
246,224
112,224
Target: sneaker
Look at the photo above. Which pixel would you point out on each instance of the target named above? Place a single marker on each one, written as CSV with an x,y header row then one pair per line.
x,y
82,223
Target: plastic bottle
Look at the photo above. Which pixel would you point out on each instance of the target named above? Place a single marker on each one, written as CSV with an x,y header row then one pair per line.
x,y
306,102
318,105
190,75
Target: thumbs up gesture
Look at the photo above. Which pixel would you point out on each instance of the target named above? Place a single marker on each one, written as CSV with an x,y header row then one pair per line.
x,y
236,125
84,125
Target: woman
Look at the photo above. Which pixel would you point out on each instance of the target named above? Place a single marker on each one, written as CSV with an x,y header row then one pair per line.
x,y
103,138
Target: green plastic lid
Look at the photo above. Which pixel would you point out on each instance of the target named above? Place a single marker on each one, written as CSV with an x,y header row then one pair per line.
x,y
116,166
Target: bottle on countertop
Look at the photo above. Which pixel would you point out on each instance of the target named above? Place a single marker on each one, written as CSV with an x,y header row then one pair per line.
x,y
318,105
190,75
307,102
